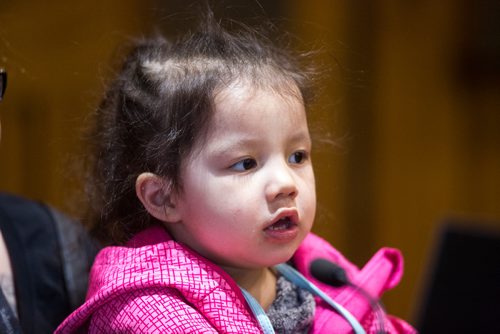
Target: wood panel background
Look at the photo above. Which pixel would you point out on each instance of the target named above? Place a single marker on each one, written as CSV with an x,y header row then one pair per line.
x,y
409,114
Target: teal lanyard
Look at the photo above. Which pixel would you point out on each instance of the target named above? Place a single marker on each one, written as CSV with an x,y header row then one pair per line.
x,y
258,311
298,279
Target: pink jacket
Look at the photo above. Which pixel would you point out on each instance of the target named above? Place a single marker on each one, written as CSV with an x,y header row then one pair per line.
x,y
156,285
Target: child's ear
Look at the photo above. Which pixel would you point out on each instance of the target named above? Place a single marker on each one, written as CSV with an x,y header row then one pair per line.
x,y
157,197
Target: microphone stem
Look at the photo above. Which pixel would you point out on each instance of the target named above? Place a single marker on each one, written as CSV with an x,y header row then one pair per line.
x,y
376,306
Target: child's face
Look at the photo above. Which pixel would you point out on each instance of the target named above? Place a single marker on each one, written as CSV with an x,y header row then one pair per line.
x,y
248,196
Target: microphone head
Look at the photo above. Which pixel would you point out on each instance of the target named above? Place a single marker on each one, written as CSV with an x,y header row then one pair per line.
x,y
332,274
329,273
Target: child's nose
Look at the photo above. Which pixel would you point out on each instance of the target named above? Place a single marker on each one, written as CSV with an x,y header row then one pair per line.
x,y
281,183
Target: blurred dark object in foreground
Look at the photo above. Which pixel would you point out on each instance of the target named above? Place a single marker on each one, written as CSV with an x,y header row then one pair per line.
x,y
462,294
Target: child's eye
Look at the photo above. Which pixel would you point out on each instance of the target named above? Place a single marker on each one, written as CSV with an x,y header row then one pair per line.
x,y
244,165
297,157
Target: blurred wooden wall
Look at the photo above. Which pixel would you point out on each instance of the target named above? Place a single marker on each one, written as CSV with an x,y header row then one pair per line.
x,y
57,55
415,103
410,130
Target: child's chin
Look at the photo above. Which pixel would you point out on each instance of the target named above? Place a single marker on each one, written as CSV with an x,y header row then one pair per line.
x,y
281,258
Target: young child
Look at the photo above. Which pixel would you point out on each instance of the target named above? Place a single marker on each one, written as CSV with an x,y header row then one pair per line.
x,y
204,185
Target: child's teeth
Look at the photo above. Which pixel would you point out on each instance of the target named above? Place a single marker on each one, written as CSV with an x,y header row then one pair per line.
x,y
282,224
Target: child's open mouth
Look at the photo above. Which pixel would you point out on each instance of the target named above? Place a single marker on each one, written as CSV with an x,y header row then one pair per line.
x,y
284,229
282,224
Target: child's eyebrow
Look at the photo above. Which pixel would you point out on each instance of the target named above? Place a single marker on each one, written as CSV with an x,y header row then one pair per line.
x,y
234,145
299,137
302,137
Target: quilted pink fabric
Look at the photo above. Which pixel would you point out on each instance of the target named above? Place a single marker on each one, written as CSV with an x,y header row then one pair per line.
x,y
382,272
156,285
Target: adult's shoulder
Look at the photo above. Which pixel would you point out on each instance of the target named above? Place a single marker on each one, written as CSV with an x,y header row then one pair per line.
x,y
50,256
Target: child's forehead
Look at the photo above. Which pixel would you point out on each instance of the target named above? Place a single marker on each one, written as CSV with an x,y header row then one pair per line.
x,y
245,106
244,91
244,114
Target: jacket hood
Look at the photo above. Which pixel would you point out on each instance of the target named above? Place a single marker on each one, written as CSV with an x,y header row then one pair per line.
x,y
152,259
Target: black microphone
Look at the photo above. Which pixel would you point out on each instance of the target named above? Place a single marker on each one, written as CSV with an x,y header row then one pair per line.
x,y
332,274
329,273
